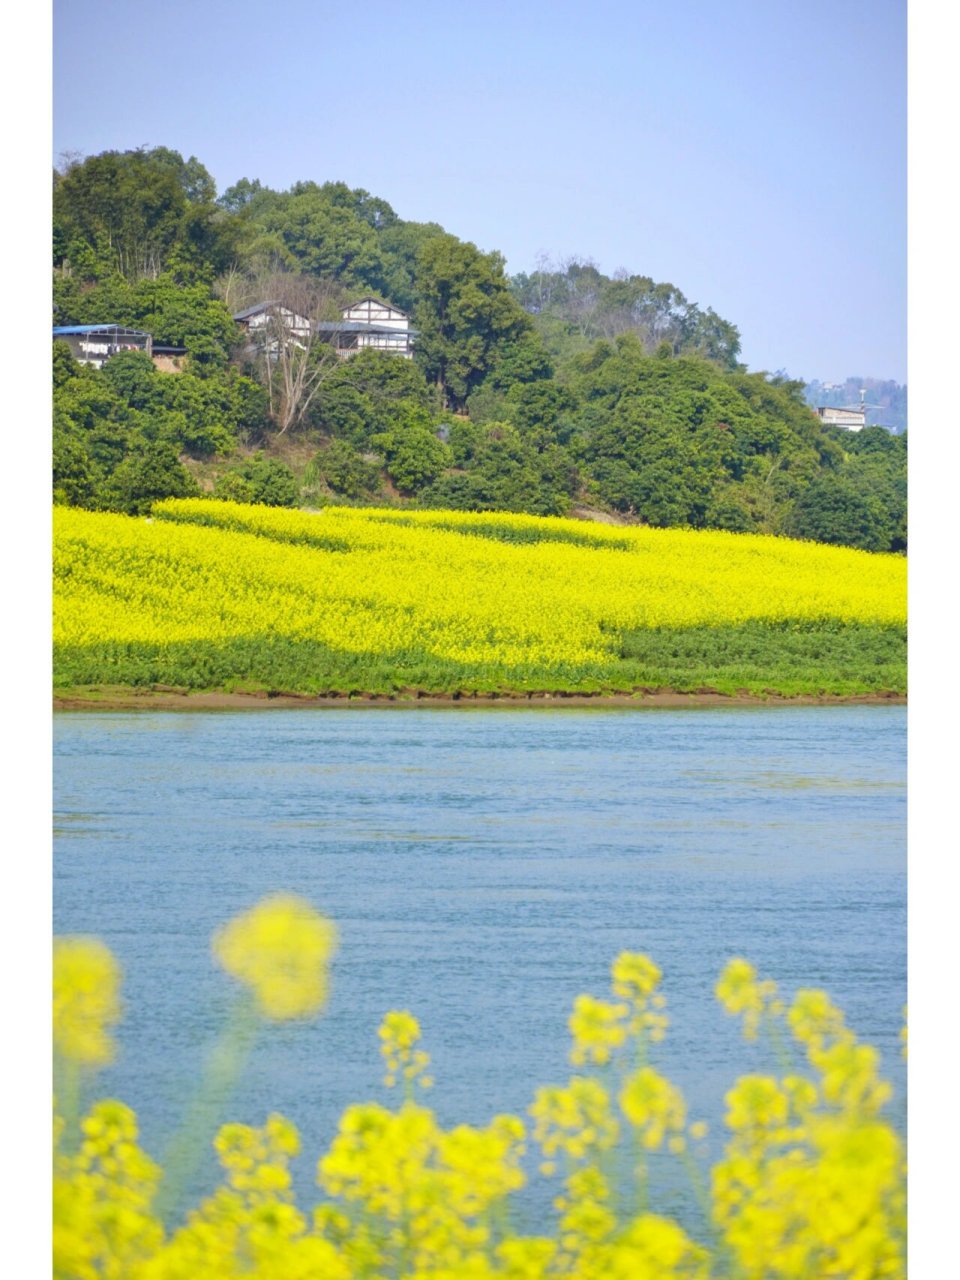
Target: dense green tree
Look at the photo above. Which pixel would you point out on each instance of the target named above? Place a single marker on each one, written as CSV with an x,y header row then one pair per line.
x,y
261,480
412,452
362,396
503,472
202,415
341,468
145,476
239,195
575,300
833,509
65,367
76,476
543,411
400,244
322,233
468,320
139,213
88,408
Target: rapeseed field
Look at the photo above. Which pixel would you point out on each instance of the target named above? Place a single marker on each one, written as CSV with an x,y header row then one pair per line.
x,y
214,595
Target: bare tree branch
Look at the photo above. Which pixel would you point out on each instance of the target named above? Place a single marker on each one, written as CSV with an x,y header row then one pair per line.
x,y
293,358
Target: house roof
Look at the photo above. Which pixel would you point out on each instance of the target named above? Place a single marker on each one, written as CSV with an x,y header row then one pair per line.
x,y
254,310
63,330
360,326
370,297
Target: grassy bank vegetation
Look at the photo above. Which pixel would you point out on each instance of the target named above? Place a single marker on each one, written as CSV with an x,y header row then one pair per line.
x,y
209,595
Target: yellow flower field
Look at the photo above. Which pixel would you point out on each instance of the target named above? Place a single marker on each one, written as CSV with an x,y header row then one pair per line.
x,y
518,600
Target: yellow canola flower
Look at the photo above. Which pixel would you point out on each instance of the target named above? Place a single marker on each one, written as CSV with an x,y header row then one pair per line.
x,y
102,1194
739,990
736,988
814,1019
654,1248
575,1120
634,977
399,1033
598,1028
756,1102
281,950
86,1000
654,1107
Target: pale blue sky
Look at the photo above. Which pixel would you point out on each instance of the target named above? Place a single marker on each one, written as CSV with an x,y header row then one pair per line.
x,y
752,152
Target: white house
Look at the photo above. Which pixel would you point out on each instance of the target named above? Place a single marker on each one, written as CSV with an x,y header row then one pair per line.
x,y
257,317
849,419
370,323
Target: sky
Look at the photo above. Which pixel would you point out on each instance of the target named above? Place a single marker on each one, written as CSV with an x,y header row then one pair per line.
x,y
751,153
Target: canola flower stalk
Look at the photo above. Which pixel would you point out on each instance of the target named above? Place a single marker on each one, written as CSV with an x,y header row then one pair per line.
x,y
811,1182
280,951
86,1005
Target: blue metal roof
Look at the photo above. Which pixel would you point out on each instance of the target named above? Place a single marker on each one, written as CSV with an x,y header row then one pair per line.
x,y
62,329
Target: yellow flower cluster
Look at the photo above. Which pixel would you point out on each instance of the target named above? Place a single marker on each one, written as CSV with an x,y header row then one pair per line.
x,y
811,1182
440,584
653,1106
102,1193
431,1193
575,1120
86,1000
740,991
399,1033
600,1027
280,950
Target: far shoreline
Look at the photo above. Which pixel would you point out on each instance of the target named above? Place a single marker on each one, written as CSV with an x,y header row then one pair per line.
x,y
167,699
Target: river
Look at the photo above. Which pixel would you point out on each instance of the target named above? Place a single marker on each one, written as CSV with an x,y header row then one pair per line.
x,y
483,867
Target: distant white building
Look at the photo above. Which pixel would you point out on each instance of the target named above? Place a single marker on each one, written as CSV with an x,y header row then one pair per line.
x,y
849,419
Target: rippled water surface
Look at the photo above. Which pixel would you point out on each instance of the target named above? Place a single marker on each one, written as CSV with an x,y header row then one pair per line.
x,y
483,867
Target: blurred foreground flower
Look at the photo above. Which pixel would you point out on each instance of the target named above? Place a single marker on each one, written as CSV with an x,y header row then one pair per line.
x,y
811,1181
86,1000
280,949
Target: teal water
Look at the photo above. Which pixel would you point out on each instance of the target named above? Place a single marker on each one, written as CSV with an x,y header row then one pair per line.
x,y
483,867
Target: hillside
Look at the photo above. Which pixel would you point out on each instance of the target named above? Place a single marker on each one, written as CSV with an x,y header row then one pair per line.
x,y
535,394
218,596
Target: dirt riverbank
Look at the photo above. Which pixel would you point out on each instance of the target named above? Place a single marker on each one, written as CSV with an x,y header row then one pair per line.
x,y
169,699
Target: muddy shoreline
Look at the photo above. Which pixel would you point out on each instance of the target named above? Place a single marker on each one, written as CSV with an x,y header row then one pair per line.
x,y
169,699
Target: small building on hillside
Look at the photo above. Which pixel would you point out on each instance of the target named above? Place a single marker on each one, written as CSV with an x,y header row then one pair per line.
x,y
849,419
96,343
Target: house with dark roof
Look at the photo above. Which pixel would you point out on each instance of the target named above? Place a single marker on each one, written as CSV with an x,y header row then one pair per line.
x,y
261,314
373,324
